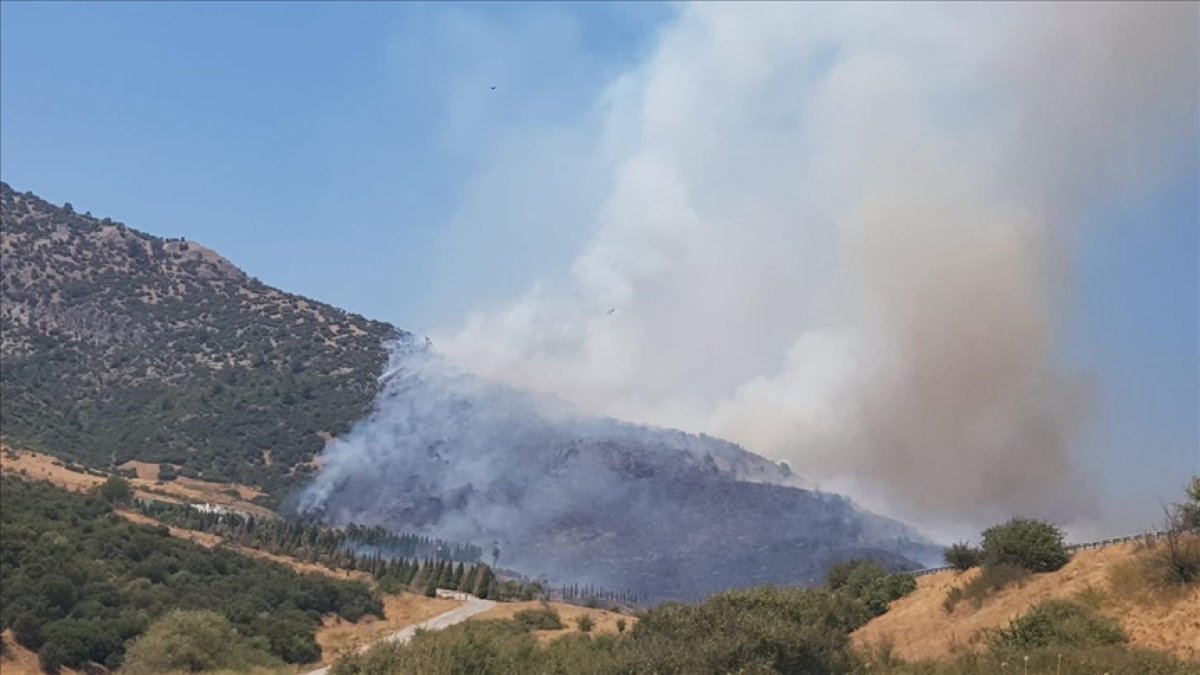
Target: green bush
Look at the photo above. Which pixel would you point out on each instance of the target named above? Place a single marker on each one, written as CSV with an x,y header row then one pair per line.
x,y
585,623
762,630
1059,623
194,641
869,583
538,619
962,557
1032,544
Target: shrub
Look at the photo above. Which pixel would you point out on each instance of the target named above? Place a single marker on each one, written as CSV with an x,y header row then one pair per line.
x,y
585,623
115,490
869,583
962,557
844,573
1031,544
538,619
952,597
621,625
992,579
194,641
1057,623
1189,511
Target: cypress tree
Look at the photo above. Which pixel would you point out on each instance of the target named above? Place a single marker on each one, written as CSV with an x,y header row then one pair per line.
x,y
467,583
457,577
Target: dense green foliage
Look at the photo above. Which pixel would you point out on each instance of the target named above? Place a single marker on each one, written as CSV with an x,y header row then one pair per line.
x,y
1056,623
351,546
79,581
869,583
1032,544
962,557
763,630
119,345
194,641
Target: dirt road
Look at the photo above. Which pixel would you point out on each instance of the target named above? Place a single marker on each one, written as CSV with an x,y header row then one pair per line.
x,y
472,607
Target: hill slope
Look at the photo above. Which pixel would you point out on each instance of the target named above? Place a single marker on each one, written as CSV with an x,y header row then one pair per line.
x,y
920,629
119,345
661,512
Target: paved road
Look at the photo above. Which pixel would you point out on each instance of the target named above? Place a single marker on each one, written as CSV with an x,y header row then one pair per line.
x,y
472,607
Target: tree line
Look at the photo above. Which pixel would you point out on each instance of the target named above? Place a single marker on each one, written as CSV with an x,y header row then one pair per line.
x,y
309,540
385,555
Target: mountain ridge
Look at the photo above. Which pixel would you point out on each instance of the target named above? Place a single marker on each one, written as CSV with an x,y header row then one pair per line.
x,y
119,346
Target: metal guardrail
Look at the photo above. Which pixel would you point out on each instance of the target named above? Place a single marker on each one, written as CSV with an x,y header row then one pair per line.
x,y
1086,546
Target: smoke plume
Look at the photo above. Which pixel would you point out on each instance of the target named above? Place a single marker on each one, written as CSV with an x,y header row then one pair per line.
x,y
840,235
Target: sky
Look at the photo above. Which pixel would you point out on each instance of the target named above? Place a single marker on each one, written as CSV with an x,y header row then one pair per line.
x,y
742,182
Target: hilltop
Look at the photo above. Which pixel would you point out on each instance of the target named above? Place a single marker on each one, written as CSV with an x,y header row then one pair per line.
x,y
119,345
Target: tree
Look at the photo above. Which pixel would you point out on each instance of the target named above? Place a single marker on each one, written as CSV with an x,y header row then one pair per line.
x,y
116,490
1189,511
193,641
166,472
1034,545
962,557
869,583
585,623
856,571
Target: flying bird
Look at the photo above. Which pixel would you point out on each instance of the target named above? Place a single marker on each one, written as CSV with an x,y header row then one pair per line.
x,y
611,312
493,87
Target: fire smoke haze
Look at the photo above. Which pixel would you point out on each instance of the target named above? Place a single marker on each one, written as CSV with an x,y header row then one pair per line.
x,y
840,235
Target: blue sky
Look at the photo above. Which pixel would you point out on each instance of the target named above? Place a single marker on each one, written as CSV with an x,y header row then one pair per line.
x,y
329,149
278,133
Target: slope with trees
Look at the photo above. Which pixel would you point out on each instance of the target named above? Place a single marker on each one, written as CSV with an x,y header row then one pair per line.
x,y
79,582
120,345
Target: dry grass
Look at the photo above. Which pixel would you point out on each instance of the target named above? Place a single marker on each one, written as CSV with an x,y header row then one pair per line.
x,y
603,621
920,628
38,466
338,637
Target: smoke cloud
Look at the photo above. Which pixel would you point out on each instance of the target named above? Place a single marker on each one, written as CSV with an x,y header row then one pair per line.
x,y
840,234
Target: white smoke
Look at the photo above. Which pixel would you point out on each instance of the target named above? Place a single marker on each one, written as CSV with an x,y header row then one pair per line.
x,y
839,234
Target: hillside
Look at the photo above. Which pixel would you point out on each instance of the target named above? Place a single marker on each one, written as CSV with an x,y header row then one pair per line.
x,y
662,513
118,345
920,629
121,349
